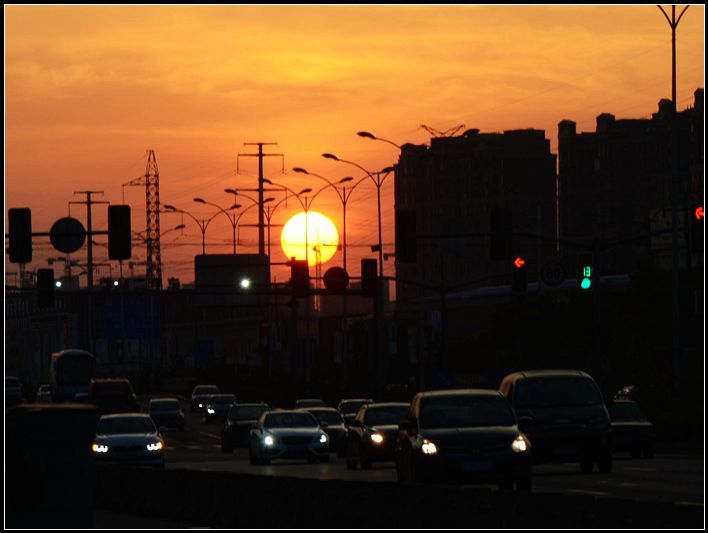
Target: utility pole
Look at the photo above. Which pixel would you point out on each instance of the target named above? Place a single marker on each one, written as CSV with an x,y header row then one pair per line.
x,y
675,299
260,155
89,231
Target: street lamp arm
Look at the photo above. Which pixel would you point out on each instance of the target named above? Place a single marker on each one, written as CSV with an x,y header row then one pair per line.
x,y
296,195
348,193
222,210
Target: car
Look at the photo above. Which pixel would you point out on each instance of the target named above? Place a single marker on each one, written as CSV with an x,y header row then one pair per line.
x,y
349,407
563,413
44,394
333,425
217,406
112,395
288,434
13,391
463,435
240,419
631,431
372,435
128,439
200,393
309,402
166,412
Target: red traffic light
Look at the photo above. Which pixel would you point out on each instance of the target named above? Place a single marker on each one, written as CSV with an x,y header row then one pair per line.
x,y
699,213
519,262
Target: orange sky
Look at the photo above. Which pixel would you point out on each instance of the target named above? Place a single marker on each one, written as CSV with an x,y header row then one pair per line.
x,y
89,88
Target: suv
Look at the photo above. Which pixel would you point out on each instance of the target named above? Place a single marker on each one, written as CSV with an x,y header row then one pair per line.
x,y
563,414
112,396
200,395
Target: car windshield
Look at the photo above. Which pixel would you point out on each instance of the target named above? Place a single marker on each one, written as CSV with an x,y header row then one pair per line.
x,y
385,416
125,425
332,418
247,412
165,405
465,411
44,388
352,407
556,391
222,400
75,370
205,389
290,420
625,411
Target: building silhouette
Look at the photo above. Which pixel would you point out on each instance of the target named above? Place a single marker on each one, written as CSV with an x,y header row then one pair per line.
x,y
615,184
452,186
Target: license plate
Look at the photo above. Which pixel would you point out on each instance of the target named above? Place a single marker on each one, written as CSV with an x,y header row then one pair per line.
x,y
476,466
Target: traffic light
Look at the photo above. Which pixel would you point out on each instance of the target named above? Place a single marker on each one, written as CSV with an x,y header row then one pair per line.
x,y
300,278
369,278
406,248
119,246
500,229
697,226
518,279
20,234
45,288
585,271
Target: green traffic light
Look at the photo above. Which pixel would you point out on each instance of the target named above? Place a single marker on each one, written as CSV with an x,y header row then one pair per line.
x,y
585,283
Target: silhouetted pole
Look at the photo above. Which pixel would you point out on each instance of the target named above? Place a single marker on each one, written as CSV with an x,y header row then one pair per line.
x,y
675,298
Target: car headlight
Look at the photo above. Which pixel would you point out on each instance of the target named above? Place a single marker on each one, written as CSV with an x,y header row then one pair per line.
x,y
429,448
99,448
376,438
200,406
520,444
323,438
268,440
155,446
210,410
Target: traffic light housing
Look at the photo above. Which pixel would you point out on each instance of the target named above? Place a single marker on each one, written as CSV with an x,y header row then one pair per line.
x,y
119,245
369,278
697,228
20,234
500,229
406,248
518,278
300,278
585,271
45,288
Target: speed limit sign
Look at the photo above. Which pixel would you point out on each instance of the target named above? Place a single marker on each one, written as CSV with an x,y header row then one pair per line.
x,y
552,273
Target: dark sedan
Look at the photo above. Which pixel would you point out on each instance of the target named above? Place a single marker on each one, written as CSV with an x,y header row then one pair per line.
x,y
238,424
332,424
371,436
467,435
217,407
200,394
631,431
166,412
348,408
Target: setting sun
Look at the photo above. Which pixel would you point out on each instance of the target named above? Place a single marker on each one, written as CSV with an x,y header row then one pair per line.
x,y
322,238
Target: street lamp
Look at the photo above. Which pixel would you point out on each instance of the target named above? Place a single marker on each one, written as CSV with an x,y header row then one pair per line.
x,y
344,196
232,222
202,223
378,181
375,138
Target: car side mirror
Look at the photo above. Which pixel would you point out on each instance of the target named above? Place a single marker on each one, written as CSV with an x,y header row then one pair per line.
x,y
324,425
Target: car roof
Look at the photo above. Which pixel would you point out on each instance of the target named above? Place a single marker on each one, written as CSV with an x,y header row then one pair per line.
x,y
459,392
524,374
319,409
288,411
205,386
165,399
387,404
126,415
261,404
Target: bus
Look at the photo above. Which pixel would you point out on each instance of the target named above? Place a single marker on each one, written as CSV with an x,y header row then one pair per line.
x,y
70,374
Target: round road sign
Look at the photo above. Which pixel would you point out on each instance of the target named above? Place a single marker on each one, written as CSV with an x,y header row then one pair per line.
x,y
552,273
336,279
67,235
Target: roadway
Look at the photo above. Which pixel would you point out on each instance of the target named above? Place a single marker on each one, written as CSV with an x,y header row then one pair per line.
x,y
669,477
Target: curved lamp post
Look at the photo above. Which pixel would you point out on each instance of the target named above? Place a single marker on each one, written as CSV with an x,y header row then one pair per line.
x,y
231,221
